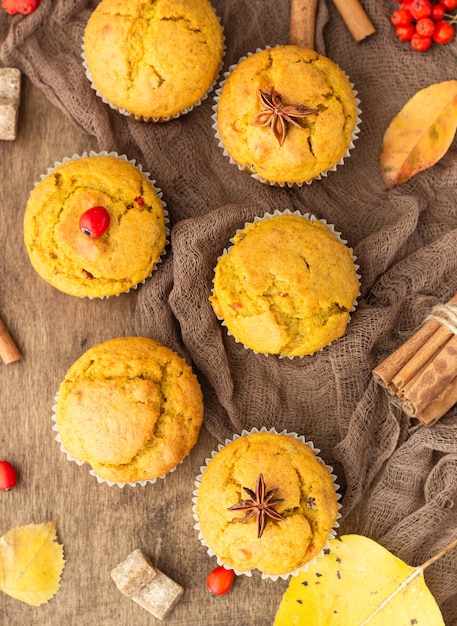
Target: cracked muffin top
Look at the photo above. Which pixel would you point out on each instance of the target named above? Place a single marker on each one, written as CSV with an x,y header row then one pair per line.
x,y
286,286
153,59
286,114
131,408
80,265
304,495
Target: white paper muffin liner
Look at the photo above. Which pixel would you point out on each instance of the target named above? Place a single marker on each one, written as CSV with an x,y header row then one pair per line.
x,y
144,118
110,483
332,533
311,218
156,189
250,169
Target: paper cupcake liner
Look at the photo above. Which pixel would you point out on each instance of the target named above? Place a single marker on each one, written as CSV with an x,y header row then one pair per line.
x,y
311,218
156,189
250,169
152,119
332,533
110,483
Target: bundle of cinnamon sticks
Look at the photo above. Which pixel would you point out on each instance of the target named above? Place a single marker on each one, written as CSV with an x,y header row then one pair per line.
x,y
303,21
422,373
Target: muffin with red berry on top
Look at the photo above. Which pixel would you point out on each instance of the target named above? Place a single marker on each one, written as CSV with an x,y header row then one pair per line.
x,y
95,226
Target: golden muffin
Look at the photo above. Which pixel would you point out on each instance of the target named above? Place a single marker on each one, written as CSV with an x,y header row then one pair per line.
x,y
129,407
286,114
95,266
286,286
153,60
295,484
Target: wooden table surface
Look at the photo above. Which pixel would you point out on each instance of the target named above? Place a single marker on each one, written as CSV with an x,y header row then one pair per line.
x,y
98,525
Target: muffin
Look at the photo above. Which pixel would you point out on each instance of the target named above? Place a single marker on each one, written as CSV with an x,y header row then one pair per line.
x,y
297,487
129,407
81,263
153,60
286,286
287,115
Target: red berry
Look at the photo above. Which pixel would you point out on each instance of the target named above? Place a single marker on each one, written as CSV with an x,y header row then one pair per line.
x,y
94,222
438,11
425,27
8,476
419,43
444,32
10,6
401,17
420,9
220,580
449,5
404,33
27,6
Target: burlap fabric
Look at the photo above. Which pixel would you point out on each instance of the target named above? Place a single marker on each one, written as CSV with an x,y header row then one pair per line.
x,y
402,474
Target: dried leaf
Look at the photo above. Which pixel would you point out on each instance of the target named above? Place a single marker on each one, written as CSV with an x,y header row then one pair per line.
x,y
420,134
359,582
31,563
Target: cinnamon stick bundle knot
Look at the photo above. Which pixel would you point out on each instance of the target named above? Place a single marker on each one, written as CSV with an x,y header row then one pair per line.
x,y
422,373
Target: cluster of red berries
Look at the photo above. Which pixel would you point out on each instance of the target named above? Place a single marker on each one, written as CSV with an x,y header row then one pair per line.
x,y
20,6
424,22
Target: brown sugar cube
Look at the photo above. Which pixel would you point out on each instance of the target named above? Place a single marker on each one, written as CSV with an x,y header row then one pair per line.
x,y
10,90
133,573
159,596
146,585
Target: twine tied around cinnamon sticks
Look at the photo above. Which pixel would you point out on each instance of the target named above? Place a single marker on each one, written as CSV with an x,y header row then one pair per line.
x,y
422,373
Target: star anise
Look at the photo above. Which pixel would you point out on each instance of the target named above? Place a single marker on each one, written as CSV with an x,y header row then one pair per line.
x,y
259,504
278,115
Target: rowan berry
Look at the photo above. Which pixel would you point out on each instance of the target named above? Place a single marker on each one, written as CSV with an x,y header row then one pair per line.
x,y
444,32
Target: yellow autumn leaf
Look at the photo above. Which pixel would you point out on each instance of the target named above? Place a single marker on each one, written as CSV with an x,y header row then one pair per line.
x,y
357,583
31,563
420,134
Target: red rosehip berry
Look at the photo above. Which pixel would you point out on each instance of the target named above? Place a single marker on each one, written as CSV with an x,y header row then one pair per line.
x,y
404,33
444,32
94,222
401,17
449,5
8,476
220,580
27,6
425,27
10,6
419,43
420,9
438,11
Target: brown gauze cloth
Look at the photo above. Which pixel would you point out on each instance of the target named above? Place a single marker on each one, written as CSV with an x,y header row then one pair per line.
x,y
402,475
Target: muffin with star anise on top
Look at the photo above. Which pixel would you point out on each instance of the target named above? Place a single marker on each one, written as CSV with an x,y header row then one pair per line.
x,y
286,115
266,501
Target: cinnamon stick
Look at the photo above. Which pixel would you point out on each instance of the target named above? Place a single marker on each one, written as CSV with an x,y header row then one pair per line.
x,y
8,349
355,18
422,372
385,372
303,23
439,405
423,355
434,379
